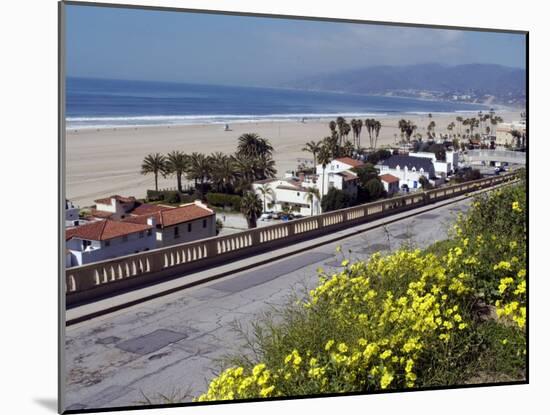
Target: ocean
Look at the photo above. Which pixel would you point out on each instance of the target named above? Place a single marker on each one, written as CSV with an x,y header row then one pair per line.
x,y
102,103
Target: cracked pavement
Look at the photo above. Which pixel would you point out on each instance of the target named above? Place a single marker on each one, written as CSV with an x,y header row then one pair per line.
x,y
174,344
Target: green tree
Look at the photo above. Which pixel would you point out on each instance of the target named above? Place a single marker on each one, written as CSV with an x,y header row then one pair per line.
x,y
176,163
223,173
313,147
335,199
374,189
251,208
406,127
155,164
199,170
252,145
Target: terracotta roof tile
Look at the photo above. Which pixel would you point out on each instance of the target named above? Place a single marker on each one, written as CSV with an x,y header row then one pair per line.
x,y
147,209
349,161
389,178
174,216
105,229
107,200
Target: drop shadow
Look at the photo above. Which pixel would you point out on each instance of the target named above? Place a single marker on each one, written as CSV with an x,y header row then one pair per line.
x,y
48,403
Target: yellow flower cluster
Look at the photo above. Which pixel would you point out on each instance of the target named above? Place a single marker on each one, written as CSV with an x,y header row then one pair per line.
x,y
395,328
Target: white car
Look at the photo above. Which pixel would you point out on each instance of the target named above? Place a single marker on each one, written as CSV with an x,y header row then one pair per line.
x,y
266,216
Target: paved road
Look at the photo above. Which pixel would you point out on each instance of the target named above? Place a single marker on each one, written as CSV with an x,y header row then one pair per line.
x,y
173,344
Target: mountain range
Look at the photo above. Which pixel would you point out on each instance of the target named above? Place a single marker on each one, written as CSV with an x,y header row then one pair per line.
x,y
443,81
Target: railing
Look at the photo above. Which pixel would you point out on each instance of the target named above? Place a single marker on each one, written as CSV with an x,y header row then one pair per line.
x,y
90,281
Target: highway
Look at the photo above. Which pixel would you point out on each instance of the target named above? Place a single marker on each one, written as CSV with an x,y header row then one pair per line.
x,y
172,345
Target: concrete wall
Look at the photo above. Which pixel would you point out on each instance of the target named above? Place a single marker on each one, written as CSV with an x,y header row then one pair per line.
x,y
89,282
200,229
112,248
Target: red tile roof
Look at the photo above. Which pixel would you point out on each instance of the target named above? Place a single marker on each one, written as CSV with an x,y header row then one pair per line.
x,y
105,229
174,216
101,214
107,200
147,209
348,176
349,161
389,178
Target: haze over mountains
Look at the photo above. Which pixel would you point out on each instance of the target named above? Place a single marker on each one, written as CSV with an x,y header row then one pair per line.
x,y
469,82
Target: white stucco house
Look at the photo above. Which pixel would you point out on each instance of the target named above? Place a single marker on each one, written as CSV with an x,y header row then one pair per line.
x,y
338,174
442,168
114,207
176,225
390,183
106,239
409,169
289,193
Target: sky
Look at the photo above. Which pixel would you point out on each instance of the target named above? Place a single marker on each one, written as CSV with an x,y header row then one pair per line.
x,y
169,46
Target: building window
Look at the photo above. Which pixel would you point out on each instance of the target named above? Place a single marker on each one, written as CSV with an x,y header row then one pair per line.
x,y
149,232
86,243
125,238
107,243
204,223
189,227
176,232
141,234
297,193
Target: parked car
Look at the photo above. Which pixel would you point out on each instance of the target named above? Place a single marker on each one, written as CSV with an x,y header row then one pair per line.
x,y
266,216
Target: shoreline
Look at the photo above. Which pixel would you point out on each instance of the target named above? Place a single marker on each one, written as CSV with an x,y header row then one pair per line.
x,y
106,161
222,119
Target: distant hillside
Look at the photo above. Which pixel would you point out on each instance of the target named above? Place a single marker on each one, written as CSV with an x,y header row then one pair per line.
x,y
478,81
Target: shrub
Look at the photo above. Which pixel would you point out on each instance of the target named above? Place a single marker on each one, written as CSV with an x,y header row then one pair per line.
x,y
224,200
335,199
409,319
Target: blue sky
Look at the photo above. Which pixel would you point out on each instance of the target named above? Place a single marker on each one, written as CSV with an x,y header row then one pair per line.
x,y
219,49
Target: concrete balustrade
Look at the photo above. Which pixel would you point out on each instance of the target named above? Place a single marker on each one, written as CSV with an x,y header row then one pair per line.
x,y
90,281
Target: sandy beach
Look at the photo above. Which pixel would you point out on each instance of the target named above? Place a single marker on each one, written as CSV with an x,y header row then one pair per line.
x,y
102,162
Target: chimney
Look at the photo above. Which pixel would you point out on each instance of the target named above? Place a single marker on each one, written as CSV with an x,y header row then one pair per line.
x,y
151,221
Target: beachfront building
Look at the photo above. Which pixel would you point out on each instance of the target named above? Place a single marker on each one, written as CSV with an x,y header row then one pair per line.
x,y
338,174
409,169
504,137
106,239
443,168
390,183
114,207
290,193
72,213
177,225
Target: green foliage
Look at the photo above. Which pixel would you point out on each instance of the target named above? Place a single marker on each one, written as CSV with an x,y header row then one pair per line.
x,y
410,319
224,200
336,199
169,196
378,155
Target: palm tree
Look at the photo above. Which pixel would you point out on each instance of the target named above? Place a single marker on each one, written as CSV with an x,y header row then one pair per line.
x,y
223,172
431,127
313,147
252,145
311,196
340,122
377,126
266,190
199,169
450,128
176,163
324,158
406,127
251,208
369,124
459,121
154,163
